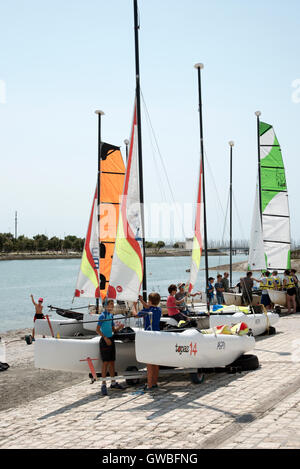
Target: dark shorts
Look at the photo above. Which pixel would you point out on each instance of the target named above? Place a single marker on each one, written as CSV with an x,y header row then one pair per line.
x,y
265,300
178,317
38,316
107,352
291,291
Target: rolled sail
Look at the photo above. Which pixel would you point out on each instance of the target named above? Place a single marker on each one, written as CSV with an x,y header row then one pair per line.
x,y
198,235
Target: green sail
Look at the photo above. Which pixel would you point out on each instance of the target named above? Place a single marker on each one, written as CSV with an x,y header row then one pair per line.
x,y
274,201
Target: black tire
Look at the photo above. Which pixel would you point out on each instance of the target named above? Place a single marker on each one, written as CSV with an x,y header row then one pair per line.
x,y
197,378
135,381
244,363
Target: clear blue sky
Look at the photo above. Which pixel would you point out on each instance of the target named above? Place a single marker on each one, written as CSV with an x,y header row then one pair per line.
x,y
61,60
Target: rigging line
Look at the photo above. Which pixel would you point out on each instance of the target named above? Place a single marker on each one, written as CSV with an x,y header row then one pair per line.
x,y
162,163
178,214
225,224
238,216
161,185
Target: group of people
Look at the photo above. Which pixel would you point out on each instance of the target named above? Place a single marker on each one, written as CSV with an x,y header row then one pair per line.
x,y
272,281
215,291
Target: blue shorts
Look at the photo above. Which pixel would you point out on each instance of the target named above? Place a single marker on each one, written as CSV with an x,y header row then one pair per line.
x,y
265,300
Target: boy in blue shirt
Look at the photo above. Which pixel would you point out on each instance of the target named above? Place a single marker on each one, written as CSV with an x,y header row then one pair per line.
x,y
151,314
105,329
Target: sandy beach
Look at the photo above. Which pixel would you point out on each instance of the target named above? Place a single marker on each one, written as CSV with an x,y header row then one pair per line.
x,y
22,382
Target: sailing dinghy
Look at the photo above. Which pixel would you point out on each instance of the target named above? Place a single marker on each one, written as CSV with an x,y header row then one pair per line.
x,y
270,245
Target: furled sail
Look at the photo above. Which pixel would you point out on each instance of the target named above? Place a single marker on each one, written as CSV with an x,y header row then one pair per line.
x,y
127,267
275,217
93,278
256,251
198,235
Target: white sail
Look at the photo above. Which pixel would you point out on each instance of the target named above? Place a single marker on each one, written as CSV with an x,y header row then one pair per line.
x,y
256,252
127,266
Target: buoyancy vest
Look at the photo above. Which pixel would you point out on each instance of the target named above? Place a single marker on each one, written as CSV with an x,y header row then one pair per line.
x,y
266,284
277,281
290,282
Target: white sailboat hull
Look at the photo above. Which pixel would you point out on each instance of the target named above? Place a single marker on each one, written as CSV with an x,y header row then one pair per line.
x,y
66,355
236,299
258,323
63,327
277,297
190,349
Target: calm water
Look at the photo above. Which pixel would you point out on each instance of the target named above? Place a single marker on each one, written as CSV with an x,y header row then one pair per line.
x,y
55,279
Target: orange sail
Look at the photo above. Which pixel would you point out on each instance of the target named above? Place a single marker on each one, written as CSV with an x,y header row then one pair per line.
x,y
111,180
100,240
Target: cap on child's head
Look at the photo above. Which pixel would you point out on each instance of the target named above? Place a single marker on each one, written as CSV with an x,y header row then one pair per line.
x,y
181,285
41,300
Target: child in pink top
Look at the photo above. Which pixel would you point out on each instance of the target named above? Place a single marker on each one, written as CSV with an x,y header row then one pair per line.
x,y
172,303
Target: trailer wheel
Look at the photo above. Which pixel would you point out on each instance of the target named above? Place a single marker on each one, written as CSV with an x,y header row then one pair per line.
x,y
197,378
135,381
244,363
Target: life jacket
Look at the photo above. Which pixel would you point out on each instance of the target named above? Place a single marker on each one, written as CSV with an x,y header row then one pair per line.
x,y
277,281
290,282
266,284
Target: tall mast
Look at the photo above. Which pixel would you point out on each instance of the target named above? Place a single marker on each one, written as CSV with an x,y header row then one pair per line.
x,y
258,114
99,113
231,144
139,132
16,225
199,67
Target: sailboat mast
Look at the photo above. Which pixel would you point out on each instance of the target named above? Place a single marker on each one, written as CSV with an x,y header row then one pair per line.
x,y
100,114
199,67
231,144
258,114
139,132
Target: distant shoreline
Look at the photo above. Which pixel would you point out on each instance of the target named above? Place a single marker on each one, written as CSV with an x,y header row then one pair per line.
x,y
73,255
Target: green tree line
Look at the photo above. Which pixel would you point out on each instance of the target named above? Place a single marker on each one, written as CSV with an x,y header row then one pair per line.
x,y
39,243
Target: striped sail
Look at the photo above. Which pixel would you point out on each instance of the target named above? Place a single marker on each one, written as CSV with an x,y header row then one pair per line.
x,y
198,235
275,217
94,273
127,267
87,284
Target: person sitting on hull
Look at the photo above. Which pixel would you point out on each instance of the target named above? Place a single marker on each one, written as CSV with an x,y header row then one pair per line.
x,y
173,305
182,294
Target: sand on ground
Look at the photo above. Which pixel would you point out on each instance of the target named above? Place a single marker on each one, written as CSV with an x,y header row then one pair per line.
x,y
22,382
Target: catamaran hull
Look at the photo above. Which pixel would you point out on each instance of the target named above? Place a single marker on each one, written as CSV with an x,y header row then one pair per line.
x,y
61,327
258,323
278,297
67,355
190,349
236,299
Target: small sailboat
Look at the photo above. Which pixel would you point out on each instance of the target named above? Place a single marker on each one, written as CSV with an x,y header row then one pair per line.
x,y
270,231
270,245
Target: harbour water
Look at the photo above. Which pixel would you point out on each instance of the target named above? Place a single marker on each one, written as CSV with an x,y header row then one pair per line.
x,y
55,279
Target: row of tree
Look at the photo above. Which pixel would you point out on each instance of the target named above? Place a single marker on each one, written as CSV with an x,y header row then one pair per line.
x,y
39,243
